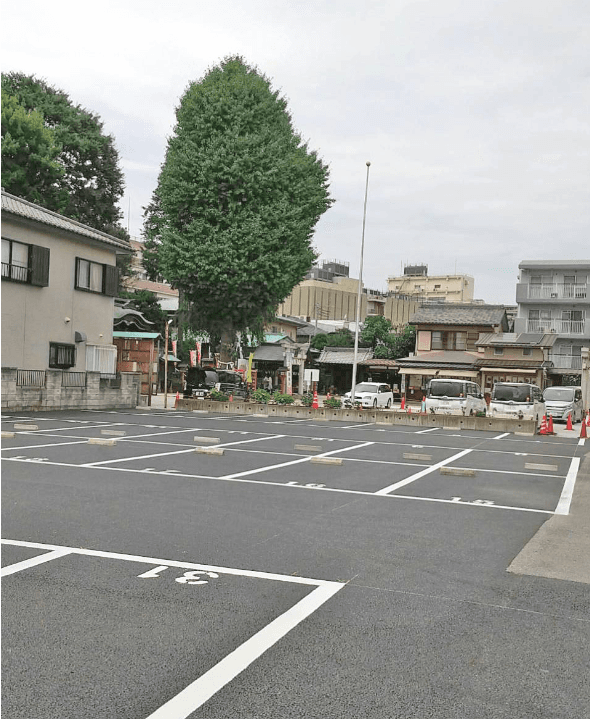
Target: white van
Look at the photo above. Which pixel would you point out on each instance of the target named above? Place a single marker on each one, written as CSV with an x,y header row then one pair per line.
x,y
454,396
563,401
519,400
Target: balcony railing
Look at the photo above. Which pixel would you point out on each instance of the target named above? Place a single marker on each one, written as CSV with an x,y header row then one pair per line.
x,y
557,291
566,361
15,272
561,327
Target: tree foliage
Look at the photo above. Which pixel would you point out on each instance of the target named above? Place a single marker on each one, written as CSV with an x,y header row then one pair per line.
x,y
340,338
29,154
376,330
238,197
91,182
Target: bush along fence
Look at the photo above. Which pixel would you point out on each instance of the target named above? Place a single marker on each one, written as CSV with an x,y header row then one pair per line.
x,y
32,390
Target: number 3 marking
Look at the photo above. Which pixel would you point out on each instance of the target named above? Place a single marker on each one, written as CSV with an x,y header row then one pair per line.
x,y
194,577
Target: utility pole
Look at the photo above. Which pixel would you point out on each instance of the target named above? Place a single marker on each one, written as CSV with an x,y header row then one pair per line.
x,y
358,299
166,366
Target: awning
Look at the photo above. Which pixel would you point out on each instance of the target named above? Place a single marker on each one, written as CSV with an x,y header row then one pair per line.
x,y
510,370
430,372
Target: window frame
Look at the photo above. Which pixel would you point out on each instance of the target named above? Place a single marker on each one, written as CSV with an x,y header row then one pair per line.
x,y
64,346
80,287
11,266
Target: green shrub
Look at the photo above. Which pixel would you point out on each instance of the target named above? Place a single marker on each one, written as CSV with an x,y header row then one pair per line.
x,y
283,398
307,399
333,403
260,395
218,396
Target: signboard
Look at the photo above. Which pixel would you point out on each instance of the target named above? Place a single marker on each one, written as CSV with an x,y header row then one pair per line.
x,y
311,375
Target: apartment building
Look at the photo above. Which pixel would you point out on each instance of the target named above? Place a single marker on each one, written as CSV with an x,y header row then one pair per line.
x,y
553,296
416,282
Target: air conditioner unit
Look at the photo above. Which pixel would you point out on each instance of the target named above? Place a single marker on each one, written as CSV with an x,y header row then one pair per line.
x,y
553,295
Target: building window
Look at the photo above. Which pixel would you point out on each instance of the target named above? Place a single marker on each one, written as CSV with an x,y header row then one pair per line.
x,y
96,277
526,351
62,356
437,341
498,350
437,287
89,275
102,358
15,260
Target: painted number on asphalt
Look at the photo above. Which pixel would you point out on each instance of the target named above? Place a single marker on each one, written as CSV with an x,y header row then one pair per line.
x,y
486,502
312,485
195,576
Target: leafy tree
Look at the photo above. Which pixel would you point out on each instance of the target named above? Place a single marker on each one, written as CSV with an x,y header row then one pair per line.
x,y
146,302
376,330
340,338
91,183
238,197
29,152
400,345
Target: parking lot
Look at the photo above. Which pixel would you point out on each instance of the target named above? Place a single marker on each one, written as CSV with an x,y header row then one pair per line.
x,y
308,569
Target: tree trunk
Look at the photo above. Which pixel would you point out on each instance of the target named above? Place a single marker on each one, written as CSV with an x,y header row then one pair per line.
x,y
226,346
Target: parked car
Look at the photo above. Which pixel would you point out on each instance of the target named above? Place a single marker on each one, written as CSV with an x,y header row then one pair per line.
x,y
231,382
520,400
560,402
454,396
199,382
371,394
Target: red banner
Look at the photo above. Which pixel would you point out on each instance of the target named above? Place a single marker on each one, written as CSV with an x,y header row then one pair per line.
x,y
198,352
193,356
174,343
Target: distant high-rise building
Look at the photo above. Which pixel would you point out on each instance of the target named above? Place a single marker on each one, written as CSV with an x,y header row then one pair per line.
x,y
416,282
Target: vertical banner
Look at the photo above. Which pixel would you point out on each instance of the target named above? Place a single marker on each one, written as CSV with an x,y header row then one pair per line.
x,y
198,352
174,344
193,357
249,373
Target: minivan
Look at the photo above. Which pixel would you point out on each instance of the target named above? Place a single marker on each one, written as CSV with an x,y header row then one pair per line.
x,y
520,400
454,396
560,402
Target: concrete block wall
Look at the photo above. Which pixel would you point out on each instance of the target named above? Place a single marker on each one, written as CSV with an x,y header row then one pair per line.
x,y
54,397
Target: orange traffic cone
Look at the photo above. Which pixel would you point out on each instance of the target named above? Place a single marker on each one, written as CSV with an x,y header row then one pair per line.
x,y
315,404
328,396
550,429
231,398
569,425
583,433
176,400
543,429
403,402
409,410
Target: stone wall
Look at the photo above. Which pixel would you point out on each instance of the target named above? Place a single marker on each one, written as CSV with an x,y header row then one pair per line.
x,y
97,394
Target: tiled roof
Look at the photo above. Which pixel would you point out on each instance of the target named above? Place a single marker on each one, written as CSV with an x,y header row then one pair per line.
x,y
161,287
344,355
269,353
385,363
458,314
23,208
510,364
441,358
524,339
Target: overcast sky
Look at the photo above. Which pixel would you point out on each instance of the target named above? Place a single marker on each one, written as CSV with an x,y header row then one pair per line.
x,y
473,113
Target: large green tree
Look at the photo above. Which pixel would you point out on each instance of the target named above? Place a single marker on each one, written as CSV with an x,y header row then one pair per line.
x,y
29,153
91,181
238,197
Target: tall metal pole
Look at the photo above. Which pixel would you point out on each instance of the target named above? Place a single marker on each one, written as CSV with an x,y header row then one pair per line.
x,y
166,367
358,299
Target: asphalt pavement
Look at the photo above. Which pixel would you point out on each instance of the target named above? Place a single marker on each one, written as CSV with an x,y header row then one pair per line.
x,y
143,578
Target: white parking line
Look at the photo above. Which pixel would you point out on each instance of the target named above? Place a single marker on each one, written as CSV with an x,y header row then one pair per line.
x,y
563,506
180,451
295,461
423,431
34,561
53,444
202,689
418,475
500,436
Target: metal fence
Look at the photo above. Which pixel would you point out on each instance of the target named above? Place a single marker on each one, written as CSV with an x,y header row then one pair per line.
x,y
73,379
30,377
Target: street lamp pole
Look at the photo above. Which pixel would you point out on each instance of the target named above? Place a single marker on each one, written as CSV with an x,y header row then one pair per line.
x,y
166,366
358,299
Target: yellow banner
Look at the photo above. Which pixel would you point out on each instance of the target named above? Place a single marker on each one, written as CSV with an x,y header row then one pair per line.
x,y
249,373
